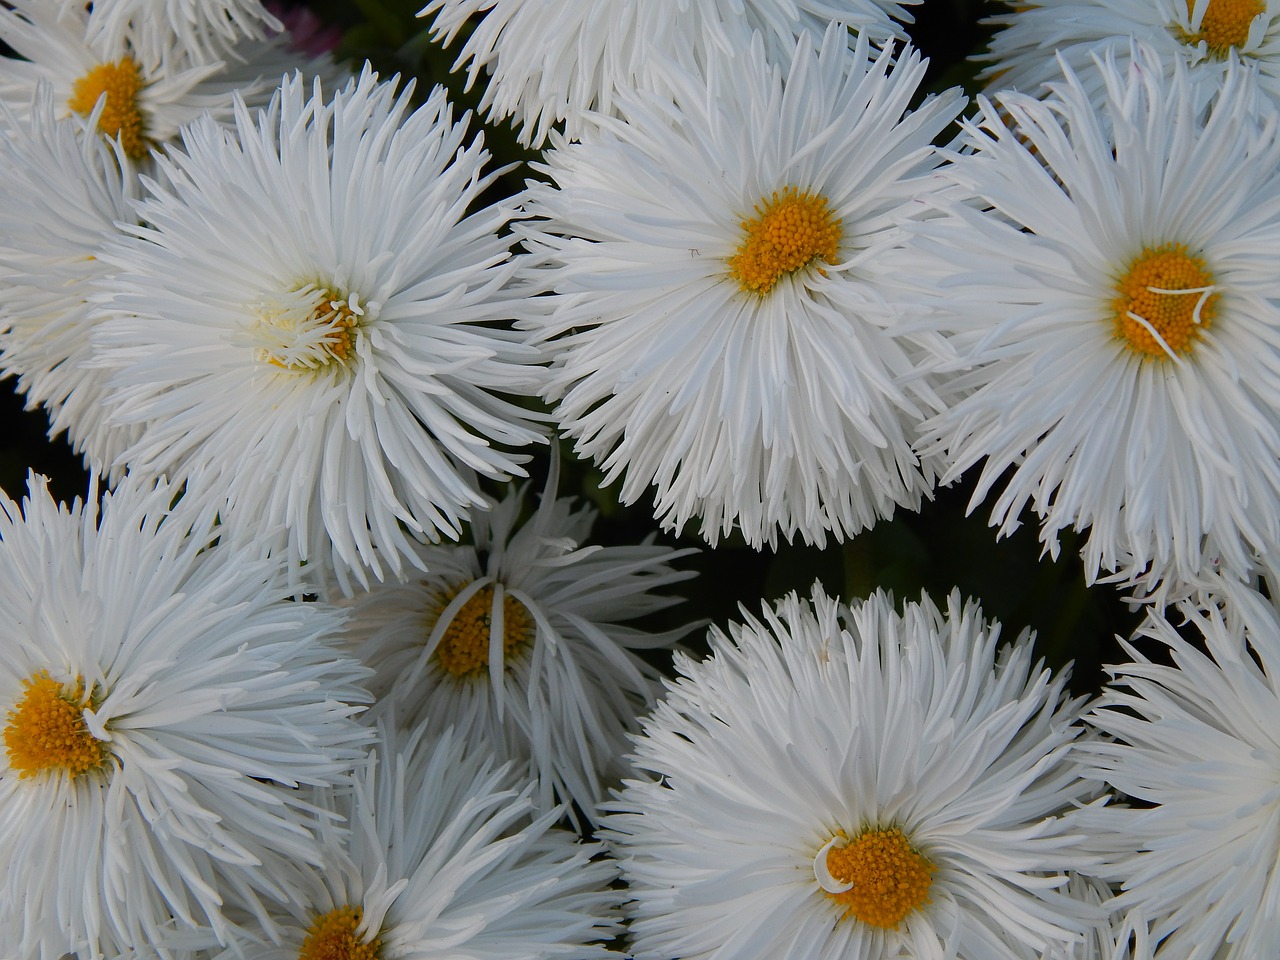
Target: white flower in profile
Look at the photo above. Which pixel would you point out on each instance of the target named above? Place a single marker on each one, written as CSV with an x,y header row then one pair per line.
x,y
1040,37
546,61
309,326
146,103
840,784
203,30
445,858
725,326
1193,737
520,640
1117,303
161,700
62,195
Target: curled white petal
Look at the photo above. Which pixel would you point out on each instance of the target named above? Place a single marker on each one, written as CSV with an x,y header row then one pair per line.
x,y
820,872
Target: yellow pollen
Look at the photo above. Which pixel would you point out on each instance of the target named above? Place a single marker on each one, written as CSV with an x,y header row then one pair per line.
x,y
464,648
120,117
790,230
1163,301
1225,23
46,730
310,328
332,936
889,878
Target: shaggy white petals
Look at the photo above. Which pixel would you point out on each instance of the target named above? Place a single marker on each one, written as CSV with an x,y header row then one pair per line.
x,y
203,30
781,408
521,642
1169,455
446,857
205,699
546,61
819,721
309,326
1192,737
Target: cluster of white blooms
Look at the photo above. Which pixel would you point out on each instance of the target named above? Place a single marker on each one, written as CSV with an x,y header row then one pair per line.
x,y
309,673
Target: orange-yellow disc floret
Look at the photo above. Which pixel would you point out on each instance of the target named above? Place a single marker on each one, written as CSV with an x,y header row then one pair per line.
x,y
45,730
332,936
121,116
889,879
790,230
464,648
1163,302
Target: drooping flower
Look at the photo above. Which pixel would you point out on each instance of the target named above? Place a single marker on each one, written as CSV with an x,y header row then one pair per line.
x,y
1117,305
855,783
547,61
724,324
521,641
309,327
161,700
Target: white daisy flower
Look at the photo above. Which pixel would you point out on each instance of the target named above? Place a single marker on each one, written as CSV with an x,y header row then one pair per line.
x,y
1041,37
1119,304
62,195
204,30
521,641
309,326
146,102
446,859
1193,737
551,60
836,783
161,702
726,327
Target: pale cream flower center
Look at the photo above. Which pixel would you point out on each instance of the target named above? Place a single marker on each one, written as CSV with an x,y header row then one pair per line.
x,y
46,731
332,936
464,648
311,327
1163,302
121,116
877,877
791,229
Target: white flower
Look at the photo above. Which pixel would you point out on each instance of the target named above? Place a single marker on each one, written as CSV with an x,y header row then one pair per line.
x,y
551,60
1041,37
203,30
520,641
309,325
146,102
837,784
161,701
62,195
447,859
1193,737
726,330
1119,304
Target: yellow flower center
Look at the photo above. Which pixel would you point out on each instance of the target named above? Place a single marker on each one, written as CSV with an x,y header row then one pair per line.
x,y
877,878
46,730
790,230
307,329
1163,301
120,117
332,936
1225,23
464,648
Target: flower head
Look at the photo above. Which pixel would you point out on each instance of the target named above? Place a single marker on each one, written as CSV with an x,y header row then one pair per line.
x,y
310,326
839,782
724,328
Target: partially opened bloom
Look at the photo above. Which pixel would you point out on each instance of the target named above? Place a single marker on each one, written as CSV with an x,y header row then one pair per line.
x,y
725,328
162,700
310,326
838,784
546,61
521,641
1193,737
446,858
1118,305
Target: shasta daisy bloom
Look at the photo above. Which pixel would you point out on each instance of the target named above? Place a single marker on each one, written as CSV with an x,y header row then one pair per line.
x,y
1193,736
62,195
161,700
1118,304
724,327
309,326
521,641
836,784
146,101
551,60
446,858
1041,37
